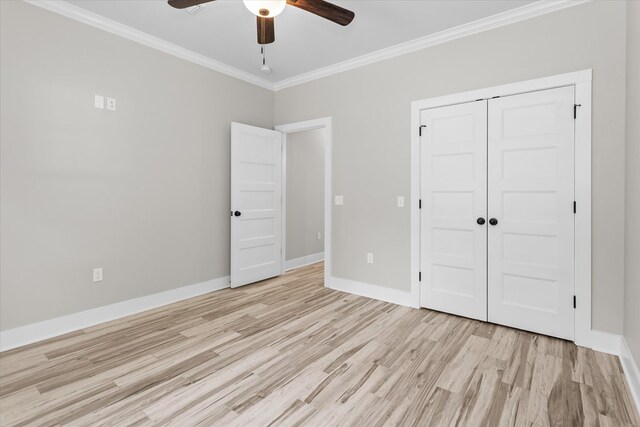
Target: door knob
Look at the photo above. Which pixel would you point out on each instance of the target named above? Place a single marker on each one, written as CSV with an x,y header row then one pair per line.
x,y
493,221
237,213
480,221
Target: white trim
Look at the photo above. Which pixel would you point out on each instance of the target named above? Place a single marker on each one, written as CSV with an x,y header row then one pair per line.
x,y
499,20
368,290
631,371
326,124
34,332
604,342
303,261
584,335
82,15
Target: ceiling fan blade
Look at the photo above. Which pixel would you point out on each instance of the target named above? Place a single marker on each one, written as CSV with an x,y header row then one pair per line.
x,y
326,10
183,4
266,30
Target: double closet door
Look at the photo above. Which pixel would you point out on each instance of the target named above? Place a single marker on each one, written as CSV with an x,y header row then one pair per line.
x,y
497,218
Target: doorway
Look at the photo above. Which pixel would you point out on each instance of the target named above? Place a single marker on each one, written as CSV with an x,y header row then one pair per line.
x,y
303,198
524,258
300,141
259,198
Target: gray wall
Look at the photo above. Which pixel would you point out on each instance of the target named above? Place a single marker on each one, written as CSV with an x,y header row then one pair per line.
x,y
632,232
305,193
370,107
142,192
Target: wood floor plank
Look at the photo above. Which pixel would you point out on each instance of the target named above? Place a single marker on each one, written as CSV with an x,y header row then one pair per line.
x,y
290,352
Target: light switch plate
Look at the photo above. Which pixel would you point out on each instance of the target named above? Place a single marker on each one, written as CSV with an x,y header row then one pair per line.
x,y
401,201
99,102
369,258
97,274
339,200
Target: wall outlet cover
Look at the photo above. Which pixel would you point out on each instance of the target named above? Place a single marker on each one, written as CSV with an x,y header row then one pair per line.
x,y
401,201
369,258
339,200
111,104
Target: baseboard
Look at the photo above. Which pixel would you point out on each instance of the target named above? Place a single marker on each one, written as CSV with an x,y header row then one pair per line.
x,y
604,342
303,260
368,290
631,371
35,332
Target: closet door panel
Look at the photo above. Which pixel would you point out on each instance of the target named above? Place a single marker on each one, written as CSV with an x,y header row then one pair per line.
x,y
453,191
530,194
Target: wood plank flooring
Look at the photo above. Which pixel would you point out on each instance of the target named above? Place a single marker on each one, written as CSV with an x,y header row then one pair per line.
x,y
288,351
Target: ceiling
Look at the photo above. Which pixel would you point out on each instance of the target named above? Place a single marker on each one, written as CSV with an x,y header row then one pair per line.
x,y
225,30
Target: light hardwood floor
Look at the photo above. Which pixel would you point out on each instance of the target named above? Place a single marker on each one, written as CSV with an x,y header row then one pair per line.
x,y
288,351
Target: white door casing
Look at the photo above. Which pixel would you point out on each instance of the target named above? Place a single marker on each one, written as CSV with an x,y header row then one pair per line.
x,y
453,194
531,195
256,193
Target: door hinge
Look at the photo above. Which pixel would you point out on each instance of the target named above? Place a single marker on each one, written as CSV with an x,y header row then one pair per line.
x,y
575,110
420,276
419,203
574,301
420,129
575,207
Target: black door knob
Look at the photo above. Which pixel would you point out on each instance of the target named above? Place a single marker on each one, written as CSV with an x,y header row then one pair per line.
x,y
237,213
493,221
480,221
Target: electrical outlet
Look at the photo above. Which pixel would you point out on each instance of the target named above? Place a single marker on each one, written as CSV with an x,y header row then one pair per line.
x,y
369,258
111,104
97,274
99,102
339,200
401,201
318,236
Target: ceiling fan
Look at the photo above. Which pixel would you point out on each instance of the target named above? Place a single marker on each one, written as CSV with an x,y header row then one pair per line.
x,y
266,10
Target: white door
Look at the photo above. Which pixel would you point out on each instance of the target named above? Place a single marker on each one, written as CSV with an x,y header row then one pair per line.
x,y
530,197
256,204
453,150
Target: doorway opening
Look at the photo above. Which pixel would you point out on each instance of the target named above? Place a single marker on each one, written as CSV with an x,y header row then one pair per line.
x,y
306,193
259,198
303,198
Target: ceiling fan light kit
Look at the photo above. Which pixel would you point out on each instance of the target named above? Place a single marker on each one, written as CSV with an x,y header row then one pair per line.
x,y
266,10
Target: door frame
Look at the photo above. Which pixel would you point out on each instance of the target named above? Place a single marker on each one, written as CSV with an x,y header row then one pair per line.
x,y
581,80
314,124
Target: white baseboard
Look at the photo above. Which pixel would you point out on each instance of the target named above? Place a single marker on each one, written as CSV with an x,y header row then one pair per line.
x,y
34,332
631,371
604,342
368,290
303,260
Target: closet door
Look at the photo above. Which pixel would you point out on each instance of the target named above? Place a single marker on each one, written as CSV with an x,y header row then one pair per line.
x,y
453,151
530,197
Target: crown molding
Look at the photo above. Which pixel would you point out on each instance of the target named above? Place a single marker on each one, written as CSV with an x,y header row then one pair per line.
x,y
76,13
505,18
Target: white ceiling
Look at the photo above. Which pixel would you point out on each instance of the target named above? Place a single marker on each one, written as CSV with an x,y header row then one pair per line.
x,y
225,30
